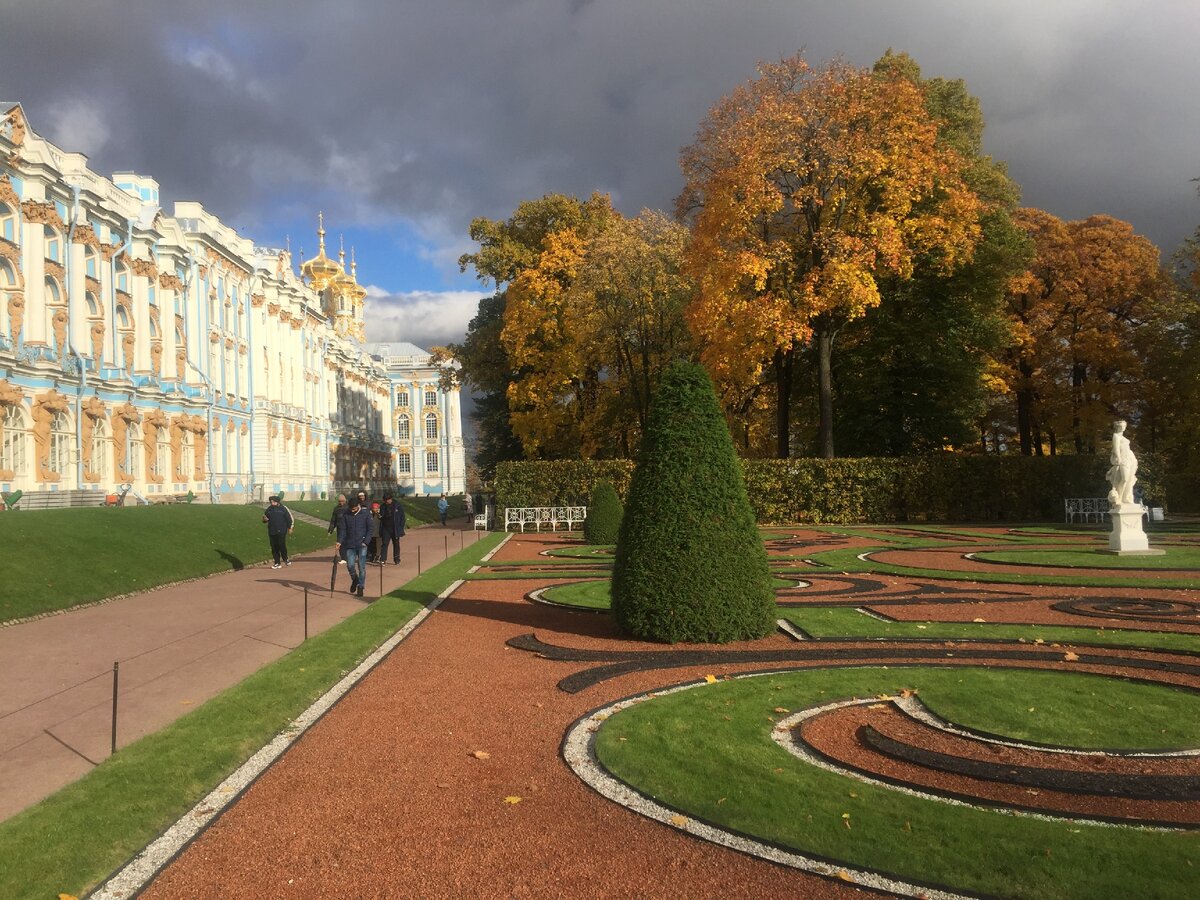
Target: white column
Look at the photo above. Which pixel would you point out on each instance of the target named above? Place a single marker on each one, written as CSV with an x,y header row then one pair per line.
x,y
33,254
77,305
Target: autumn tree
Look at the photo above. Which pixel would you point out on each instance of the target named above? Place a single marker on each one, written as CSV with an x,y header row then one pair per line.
x,y
916,373
506,248
803,188
1075,311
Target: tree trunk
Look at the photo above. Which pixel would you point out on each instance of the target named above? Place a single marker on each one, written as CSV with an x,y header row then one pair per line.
x,y
823,333
783,399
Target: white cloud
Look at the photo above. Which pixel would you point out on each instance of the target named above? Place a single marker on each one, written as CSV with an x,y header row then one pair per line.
x,y
424,318
78,124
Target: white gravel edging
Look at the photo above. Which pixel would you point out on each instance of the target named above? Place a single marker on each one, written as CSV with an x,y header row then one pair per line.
x,y
578,751
138,872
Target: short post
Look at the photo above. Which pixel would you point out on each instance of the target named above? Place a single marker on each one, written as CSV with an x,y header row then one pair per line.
x,y
462,539
381,579
418,559
116,671
306,612
446,542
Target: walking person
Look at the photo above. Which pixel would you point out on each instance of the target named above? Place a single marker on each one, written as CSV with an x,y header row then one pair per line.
x,y
336,516
279,525
354,530
392,520
443,509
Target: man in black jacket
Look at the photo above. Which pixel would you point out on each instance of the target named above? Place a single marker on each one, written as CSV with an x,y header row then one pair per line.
x,y
392,520
279,525
354,530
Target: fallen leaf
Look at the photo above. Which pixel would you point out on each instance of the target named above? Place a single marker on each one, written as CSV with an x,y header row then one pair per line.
x,y
711,679
722,800
678,820
780,709
845,876
481,754
513,800
1039,640
1071,657
846,820
908,692
979,620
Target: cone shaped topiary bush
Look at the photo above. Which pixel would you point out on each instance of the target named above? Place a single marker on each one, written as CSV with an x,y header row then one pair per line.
x,y
690,565
604,515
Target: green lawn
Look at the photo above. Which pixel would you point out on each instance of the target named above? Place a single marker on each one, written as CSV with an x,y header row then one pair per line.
x,y
71,556
74,839
598,594
834,623
1174,558
708,753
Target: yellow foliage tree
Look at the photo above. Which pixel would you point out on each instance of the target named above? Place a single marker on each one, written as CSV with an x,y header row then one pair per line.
x,y
802,187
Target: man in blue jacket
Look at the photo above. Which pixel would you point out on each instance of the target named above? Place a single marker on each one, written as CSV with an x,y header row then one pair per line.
x,y
392,520
354,530
279,525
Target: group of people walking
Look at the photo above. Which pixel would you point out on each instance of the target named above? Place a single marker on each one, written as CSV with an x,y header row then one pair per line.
x,y
365,529
365,532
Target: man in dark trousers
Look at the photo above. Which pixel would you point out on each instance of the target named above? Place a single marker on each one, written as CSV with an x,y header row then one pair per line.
x,y
354,530
391,528
279,525
335,517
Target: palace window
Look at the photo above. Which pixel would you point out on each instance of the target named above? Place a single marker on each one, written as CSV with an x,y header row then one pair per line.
x,y
404,464
53,243
402,398
13,444
100,449
402,431
122,276
132,464
89,261
60,443
431,427
162,454
93,305
430,397
8,223
431,462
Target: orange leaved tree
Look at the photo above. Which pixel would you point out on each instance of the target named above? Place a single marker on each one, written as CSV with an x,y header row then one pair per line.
x,y
802,187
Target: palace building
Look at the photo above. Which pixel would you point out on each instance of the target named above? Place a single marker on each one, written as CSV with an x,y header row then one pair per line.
x,y
172,355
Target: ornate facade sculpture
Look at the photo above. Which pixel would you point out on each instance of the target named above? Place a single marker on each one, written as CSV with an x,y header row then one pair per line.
x,y
176,432
97,334
10,395
16,315
128,344
156,355
45,407
93,411
39,213
200,429
59,324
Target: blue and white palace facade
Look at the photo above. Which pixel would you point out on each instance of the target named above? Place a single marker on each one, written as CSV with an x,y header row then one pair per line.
x,y
172,354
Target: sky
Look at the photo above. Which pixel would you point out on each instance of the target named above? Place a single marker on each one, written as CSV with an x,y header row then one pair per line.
x,y
402,120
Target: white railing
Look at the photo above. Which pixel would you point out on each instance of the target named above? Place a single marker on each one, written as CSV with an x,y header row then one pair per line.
x,y
552,516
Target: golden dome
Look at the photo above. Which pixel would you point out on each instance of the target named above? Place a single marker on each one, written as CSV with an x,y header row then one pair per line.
x,y
341,283
321,270
357,291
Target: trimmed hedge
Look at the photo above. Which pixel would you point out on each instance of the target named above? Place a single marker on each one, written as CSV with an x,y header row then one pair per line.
x,y
690,565
940,488
605,514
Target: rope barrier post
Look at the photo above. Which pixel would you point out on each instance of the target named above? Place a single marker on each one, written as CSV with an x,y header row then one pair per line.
x,y
462,539
306,612
381,578
446,542
116,671
418,559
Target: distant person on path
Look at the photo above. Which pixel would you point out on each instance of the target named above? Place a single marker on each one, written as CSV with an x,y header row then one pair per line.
x,y
392,520
443,509
279,525
354,530
336,516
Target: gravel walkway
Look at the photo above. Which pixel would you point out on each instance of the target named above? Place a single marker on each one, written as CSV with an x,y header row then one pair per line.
x,y
408,786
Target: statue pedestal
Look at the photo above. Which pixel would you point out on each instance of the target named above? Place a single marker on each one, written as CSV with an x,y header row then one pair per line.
x,y
1127,537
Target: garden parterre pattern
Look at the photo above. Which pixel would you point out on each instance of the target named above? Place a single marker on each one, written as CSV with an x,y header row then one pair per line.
x,y
517,675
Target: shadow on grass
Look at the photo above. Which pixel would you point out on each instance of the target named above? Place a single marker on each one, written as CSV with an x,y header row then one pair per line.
x,y
235,563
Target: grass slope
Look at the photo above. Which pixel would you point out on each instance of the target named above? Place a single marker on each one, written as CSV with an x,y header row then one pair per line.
x,y
73,556
74,839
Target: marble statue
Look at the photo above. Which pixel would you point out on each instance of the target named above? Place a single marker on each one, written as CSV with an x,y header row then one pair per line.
x,y
1122,472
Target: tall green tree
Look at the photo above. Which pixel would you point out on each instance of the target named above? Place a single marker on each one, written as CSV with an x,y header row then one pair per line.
x,y
915,374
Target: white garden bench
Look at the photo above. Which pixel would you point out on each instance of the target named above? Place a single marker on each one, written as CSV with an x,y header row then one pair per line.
x,y
552,516
481,521
1086,509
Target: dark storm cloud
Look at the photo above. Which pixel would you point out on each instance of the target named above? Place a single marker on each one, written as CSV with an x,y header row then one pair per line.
x,y
431,113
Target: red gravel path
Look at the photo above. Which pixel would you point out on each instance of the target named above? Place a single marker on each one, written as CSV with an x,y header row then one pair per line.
x,y
384,798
